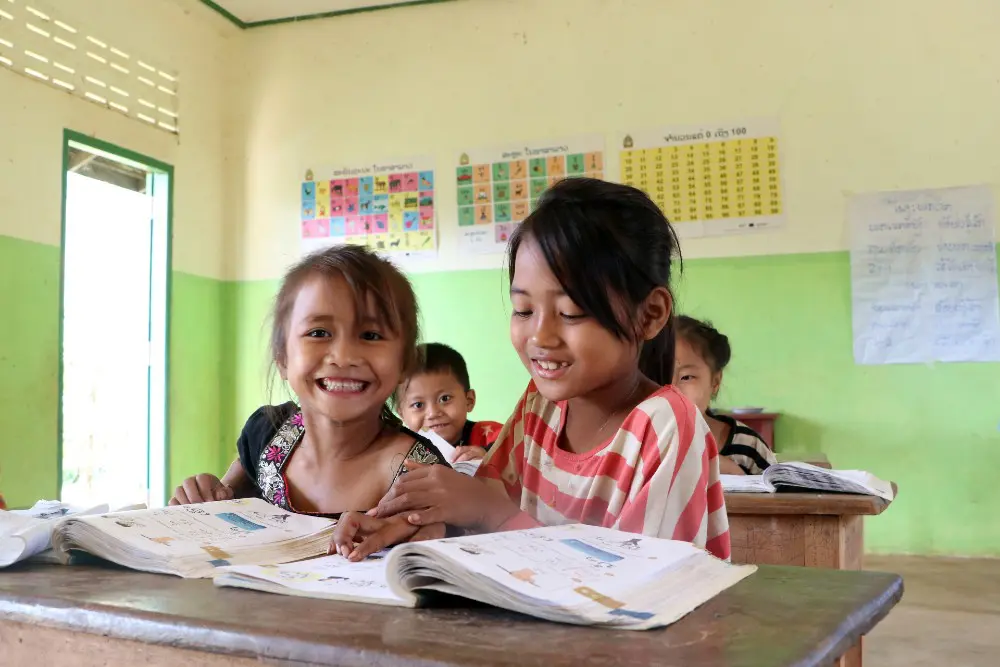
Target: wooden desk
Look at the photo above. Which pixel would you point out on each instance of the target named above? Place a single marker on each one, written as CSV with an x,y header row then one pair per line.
x,y
823,530
81,616
805,529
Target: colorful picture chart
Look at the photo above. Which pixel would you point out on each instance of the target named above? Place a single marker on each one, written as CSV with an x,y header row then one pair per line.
x,y
498,188
388,207
709,179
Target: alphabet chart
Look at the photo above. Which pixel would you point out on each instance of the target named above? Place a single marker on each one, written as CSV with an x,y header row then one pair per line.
x,y
498,188
709,179
388,207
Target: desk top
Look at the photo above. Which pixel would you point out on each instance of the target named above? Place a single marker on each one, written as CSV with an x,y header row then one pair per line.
x,y
780,616
806,503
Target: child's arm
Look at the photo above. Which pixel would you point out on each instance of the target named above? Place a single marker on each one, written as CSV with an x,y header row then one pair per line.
x,y
358,536
206,487
436,494
468,453
729,467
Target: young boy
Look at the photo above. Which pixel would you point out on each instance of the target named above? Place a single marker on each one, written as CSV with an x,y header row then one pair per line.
x,y
438,397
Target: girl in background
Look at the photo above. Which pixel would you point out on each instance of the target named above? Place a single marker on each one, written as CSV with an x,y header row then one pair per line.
x,y
702,355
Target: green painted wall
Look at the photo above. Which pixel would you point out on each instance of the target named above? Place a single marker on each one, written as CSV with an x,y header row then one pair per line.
x,y
29,366
29,370
932,429
197,362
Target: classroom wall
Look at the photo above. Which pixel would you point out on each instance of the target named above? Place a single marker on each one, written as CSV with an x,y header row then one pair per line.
x,y
33,117
870,96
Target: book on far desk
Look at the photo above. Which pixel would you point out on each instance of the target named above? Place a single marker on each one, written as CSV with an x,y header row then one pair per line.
x,y
574,573
27,533
193,540
797,476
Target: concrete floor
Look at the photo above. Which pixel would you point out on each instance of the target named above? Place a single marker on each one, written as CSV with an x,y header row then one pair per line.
x,y
949,615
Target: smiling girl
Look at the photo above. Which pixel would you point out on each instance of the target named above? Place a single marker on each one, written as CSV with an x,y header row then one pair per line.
x,y
344,335
599,437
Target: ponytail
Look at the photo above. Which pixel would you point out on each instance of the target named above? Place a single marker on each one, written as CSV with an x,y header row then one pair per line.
x,y
656,361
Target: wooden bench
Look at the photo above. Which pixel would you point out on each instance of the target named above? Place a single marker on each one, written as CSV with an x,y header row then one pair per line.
x,y
83,616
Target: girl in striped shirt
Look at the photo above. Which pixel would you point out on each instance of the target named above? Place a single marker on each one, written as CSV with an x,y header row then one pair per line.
x,y
703,353
597,437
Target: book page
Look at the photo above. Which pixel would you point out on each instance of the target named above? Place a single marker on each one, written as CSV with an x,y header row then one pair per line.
x,y
881,488
448,451
812,477
332,577
563,565
196,529
25,533
745,484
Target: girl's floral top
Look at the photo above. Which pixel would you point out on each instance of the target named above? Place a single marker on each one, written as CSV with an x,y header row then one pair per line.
x,y
270,437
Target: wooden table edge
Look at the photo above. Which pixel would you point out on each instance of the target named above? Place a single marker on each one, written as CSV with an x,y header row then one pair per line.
x,y
863,621
230,639
170,631
833,504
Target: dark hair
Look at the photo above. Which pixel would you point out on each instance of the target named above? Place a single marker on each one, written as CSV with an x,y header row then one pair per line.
x,y
710,344
440,358
371,280
609,246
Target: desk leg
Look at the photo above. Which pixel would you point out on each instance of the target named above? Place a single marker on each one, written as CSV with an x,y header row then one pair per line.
x,y
836,542
853,656
852,537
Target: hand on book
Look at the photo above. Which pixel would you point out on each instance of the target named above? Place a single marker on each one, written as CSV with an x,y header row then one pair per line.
x,y
203,488
358,535
729,467
429,494
468,453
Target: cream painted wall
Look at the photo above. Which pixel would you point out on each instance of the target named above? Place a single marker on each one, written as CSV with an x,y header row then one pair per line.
x,y
178,33
889,94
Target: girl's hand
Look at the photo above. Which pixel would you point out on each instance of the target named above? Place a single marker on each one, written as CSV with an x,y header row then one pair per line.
x,y
358,536
467,453
202,488
729,467
429,494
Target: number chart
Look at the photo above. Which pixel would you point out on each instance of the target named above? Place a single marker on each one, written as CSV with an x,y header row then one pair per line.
x,y
498,188
709,180
386,207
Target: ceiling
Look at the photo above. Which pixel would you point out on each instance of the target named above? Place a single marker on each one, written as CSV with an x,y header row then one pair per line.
x,y
255,13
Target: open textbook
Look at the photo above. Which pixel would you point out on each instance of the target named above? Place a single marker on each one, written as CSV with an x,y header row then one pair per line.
x,y
805,476
573,573
28,533
194,540
448,451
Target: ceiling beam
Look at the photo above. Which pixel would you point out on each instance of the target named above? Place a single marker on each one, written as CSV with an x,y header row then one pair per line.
x,y
235,20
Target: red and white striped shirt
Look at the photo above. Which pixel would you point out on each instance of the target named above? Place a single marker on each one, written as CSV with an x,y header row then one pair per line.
x,y
658,475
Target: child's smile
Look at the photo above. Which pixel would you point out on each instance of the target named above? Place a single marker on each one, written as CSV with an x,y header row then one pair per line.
x,y
567,352
549,369
342,364
436,402
342,386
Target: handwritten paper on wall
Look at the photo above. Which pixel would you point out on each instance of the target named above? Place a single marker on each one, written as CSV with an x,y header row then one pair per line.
x,y
924,276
